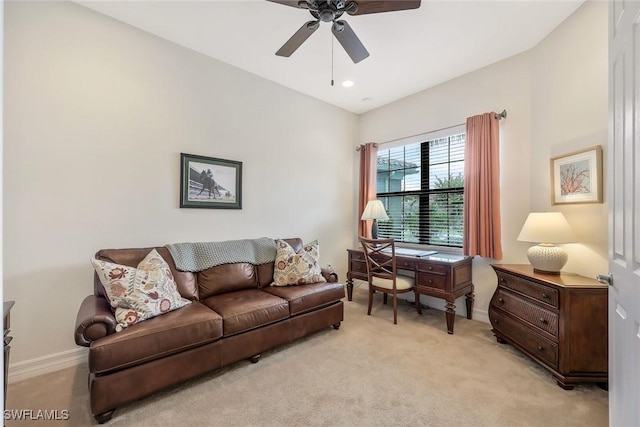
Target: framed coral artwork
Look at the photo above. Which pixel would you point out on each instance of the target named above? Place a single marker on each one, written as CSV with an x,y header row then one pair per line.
x,y
577,177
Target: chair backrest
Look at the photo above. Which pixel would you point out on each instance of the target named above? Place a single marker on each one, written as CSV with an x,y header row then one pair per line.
x,y
380,255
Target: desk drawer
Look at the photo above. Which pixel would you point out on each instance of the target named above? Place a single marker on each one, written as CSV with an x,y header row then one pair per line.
x,y
432,268
535,315
432,281
406,264
545,294
534,344
356,256
358,267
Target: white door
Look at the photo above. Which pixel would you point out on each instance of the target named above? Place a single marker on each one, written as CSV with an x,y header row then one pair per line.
x,y
623,174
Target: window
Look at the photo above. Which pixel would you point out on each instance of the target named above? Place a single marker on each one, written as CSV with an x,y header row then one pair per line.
x,y
421,185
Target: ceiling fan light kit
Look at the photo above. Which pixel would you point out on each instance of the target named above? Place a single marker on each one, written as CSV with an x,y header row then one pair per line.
x,y
331,11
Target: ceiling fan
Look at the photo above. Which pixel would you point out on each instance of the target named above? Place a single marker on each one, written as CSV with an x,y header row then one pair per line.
x,y
330,11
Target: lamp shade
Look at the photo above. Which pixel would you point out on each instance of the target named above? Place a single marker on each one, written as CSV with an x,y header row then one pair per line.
x,y
547,227
374,210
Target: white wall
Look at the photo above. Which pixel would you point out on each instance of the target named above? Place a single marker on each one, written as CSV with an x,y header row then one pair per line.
x,y
1,162
97,112
556,99
96,116
570,112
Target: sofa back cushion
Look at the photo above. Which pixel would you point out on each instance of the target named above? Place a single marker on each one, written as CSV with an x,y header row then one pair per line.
x,y
265,271
226,278
185,281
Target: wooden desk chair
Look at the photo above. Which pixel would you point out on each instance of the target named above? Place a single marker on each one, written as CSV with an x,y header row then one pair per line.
x,y
381,272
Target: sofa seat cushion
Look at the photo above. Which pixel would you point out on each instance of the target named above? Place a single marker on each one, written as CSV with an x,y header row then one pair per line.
x,y
187,327
307,297
247,309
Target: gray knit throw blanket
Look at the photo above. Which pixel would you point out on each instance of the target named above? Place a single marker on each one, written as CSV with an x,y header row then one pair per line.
x,y
200,256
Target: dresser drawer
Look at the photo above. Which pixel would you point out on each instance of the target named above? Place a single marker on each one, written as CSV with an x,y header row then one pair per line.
x,y
431,280
545,294
535,315
538,346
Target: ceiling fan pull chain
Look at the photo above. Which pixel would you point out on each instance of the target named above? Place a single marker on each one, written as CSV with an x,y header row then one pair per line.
x,y
331,60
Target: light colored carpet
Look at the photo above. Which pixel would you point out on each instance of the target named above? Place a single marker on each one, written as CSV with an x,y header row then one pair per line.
x,y
369,373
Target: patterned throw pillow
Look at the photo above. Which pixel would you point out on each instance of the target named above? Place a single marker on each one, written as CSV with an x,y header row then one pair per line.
x,y
140,293
293,268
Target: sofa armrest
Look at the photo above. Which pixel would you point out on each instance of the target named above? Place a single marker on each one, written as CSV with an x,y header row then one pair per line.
x,y
95,320
330,275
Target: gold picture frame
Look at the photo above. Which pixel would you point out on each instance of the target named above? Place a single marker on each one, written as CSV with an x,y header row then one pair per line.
x,y
577,177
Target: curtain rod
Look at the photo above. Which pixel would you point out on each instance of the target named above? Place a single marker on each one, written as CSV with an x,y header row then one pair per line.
x,y
501,116
375,144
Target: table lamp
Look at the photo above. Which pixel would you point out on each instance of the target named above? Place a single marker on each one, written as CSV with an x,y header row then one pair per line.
x,y
374,211
547,228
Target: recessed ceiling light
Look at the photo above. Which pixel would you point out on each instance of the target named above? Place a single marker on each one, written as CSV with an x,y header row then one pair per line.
x,y
347,83
366,98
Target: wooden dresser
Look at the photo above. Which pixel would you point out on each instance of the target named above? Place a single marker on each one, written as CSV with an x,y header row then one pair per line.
x,y
558,320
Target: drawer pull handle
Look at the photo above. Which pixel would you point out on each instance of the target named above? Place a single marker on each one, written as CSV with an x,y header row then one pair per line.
x,y
543,321
430,268
502,280
497,321
540,348
500,300
430,281
545,296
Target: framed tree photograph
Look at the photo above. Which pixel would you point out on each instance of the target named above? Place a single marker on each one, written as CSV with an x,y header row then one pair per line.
x,y
577,177
207,182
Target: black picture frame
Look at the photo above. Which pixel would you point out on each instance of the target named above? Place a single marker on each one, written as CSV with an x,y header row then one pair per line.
x,y
210,183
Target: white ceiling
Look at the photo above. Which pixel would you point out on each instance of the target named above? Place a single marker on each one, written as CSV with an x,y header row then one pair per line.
x,y
410,50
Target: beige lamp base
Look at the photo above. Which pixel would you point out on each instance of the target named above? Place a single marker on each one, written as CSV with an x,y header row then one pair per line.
x,y
547,258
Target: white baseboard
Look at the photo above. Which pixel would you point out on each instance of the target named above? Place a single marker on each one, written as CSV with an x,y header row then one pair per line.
x,y
45,364
481,315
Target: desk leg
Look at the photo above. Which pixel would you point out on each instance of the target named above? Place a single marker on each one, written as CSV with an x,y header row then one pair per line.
x,y
470,297
451,316
349,288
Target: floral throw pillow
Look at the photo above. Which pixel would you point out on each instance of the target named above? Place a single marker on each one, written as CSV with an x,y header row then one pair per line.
x,y
137,294
293,268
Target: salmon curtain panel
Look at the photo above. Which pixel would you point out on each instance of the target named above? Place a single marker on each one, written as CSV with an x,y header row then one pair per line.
x,y
367,187
482,236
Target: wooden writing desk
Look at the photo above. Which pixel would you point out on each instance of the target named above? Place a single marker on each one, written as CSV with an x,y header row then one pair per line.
x,y
445,276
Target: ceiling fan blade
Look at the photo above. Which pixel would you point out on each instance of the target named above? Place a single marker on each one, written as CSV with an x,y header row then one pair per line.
x,y
293,3
349,41
377,6
298,38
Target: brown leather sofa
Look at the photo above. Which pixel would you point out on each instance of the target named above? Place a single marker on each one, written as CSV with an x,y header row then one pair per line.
x,y
234,315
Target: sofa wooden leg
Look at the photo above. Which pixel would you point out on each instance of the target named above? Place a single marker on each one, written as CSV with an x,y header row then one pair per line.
x,y
255,359
104,417
336,326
